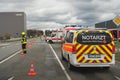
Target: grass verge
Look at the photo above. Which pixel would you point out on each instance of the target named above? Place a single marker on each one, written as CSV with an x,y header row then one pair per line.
x,y
117,45
117,56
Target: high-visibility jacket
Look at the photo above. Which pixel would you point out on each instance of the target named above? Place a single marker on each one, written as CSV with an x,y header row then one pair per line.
x,y
24,40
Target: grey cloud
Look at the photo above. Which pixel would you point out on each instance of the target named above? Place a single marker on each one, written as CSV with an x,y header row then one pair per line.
x,y
91,11
48,18
62,11
72,1
15,1
88,18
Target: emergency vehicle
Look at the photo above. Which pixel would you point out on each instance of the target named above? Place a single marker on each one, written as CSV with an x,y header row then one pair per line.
x,y
115,33
88,48
55,36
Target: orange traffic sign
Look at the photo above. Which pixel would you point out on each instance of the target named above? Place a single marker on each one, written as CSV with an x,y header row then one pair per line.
x,y
116,20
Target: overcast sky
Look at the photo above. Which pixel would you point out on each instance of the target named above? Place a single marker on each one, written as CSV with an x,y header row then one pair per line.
x,y
46,14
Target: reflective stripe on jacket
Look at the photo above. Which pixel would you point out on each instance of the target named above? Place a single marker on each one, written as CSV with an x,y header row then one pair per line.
x,y
24,40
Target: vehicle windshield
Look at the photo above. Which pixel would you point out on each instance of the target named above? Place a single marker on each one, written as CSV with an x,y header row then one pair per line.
x,y
53,35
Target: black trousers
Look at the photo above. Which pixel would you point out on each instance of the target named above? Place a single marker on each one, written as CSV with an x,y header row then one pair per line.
x,y
24,48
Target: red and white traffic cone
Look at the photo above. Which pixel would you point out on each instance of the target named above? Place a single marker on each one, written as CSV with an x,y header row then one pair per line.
x,y
22,54
31,44
27,46
32,72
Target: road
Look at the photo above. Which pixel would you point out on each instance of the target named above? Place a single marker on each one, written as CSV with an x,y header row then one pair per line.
x,y
47,64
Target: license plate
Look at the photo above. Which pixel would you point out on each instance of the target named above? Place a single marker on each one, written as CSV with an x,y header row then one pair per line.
x,y
94,56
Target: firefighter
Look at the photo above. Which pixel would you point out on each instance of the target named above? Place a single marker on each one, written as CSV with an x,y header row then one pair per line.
x,y
24,42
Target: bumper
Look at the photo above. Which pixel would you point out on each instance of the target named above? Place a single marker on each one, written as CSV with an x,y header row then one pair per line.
x,y
76,64
92,65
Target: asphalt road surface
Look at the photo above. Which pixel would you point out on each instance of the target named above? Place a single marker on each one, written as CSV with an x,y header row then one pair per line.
x,y
47,64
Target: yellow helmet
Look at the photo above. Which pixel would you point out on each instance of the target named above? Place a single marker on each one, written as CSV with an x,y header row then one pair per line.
x,y
23,33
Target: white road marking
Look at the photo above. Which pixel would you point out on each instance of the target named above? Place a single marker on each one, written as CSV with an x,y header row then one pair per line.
x,y
5,44
11,78
118,78
61,65
3,47
10,56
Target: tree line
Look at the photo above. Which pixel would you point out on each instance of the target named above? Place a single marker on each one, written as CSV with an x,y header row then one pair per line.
x,y
34,33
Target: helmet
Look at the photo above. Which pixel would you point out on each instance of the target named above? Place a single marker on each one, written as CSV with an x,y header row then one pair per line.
x,y
23,33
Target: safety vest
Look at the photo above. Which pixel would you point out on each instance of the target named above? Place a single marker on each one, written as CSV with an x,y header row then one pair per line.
x,y
24,40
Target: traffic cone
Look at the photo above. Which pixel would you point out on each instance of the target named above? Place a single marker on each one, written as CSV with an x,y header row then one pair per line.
x,y
27,46
22,55
31,44
32,72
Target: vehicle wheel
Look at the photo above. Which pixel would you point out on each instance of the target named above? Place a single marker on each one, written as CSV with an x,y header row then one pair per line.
x,y
70,66
50,41
62,55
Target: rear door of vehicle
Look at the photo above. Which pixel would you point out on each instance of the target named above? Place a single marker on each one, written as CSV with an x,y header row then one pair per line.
x,y
94,46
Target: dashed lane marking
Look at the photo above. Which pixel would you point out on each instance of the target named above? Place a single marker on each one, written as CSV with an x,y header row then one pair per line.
x,y
10,56
61,65
11,78
118,78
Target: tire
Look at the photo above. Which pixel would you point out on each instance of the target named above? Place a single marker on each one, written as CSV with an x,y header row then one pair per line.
x,y
50,41
62,56
69,65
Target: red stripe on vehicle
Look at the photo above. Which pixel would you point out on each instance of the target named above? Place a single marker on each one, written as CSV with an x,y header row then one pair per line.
x,y
90,51
105,51
101,61
56,38
76,44
83,52
87,61
98,51
109,48
79,48
111,44
94,61
82,59
106,59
